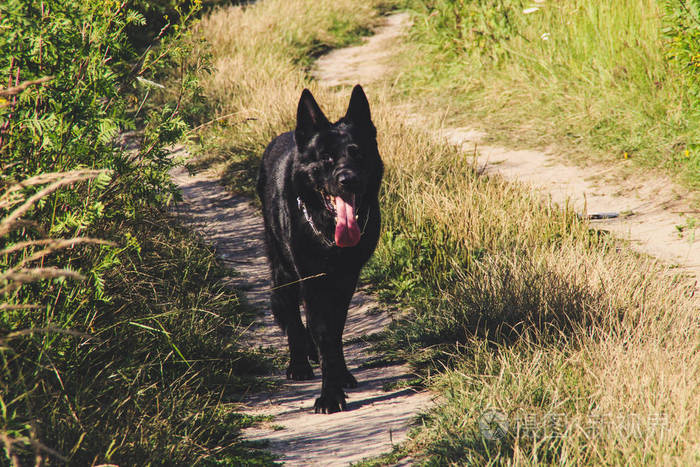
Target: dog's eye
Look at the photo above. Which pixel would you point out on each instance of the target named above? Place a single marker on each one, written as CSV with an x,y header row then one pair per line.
x,y
327,158
354,151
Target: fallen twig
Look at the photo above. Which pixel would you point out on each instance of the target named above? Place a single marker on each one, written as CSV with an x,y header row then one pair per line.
x,y
603,215
691,211
199,127
11,91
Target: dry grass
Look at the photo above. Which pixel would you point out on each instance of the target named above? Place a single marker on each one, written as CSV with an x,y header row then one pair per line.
x,y
18,274
524,306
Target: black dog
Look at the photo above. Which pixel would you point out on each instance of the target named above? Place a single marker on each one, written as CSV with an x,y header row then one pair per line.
x,y
319,189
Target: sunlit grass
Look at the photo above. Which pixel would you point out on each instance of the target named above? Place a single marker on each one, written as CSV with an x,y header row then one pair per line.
x,y
590,78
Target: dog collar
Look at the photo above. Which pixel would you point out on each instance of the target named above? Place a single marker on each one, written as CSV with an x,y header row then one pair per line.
x,y
307,216
303,209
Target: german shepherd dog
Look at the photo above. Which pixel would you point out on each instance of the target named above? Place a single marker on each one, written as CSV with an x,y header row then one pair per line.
x,y
319,187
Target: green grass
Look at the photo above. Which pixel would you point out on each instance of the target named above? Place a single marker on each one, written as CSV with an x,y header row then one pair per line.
x,y
397,454
148,374
600,87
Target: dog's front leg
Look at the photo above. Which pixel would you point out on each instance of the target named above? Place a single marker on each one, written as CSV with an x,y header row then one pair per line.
x,y
332,395
326,308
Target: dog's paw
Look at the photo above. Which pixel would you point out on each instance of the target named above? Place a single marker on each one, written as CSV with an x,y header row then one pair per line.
x,y
300,371
349,380
331,402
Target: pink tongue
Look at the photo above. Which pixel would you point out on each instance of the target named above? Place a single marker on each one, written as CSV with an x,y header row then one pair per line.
x,y
347,233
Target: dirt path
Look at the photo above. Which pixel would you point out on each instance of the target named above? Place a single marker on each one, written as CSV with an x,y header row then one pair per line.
x,y
648,208
376,419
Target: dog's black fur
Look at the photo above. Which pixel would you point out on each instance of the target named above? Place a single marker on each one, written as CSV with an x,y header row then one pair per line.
x,y
301,171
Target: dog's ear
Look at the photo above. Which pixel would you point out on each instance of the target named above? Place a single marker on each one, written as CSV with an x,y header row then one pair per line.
x,y
310,119
358,111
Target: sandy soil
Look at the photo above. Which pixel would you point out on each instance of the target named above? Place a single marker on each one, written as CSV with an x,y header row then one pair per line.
x,y
375,420
648,208
364,63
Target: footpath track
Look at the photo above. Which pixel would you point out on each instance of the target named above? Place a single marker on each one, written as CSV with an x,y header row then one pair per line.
x,y
376,418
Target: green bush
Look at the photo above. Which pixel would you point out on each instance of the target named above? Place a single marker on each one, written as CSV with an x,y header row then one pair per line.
x,y
483,26
94,79
73,91
122,349
683,31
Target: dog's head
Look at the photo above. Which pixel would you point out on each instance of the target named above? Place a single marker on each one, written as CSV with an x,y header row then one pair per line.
x,y
338,168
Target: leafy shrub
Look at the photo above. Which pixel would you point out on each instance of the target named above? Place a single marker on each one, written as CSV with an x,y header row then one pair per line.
x,y
72,89
91,73
102,356
683,30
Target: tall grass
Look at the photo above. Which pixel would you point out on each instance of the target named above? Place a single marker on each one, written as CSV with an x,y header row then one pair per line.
x,y
516,303
145,372
593,78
